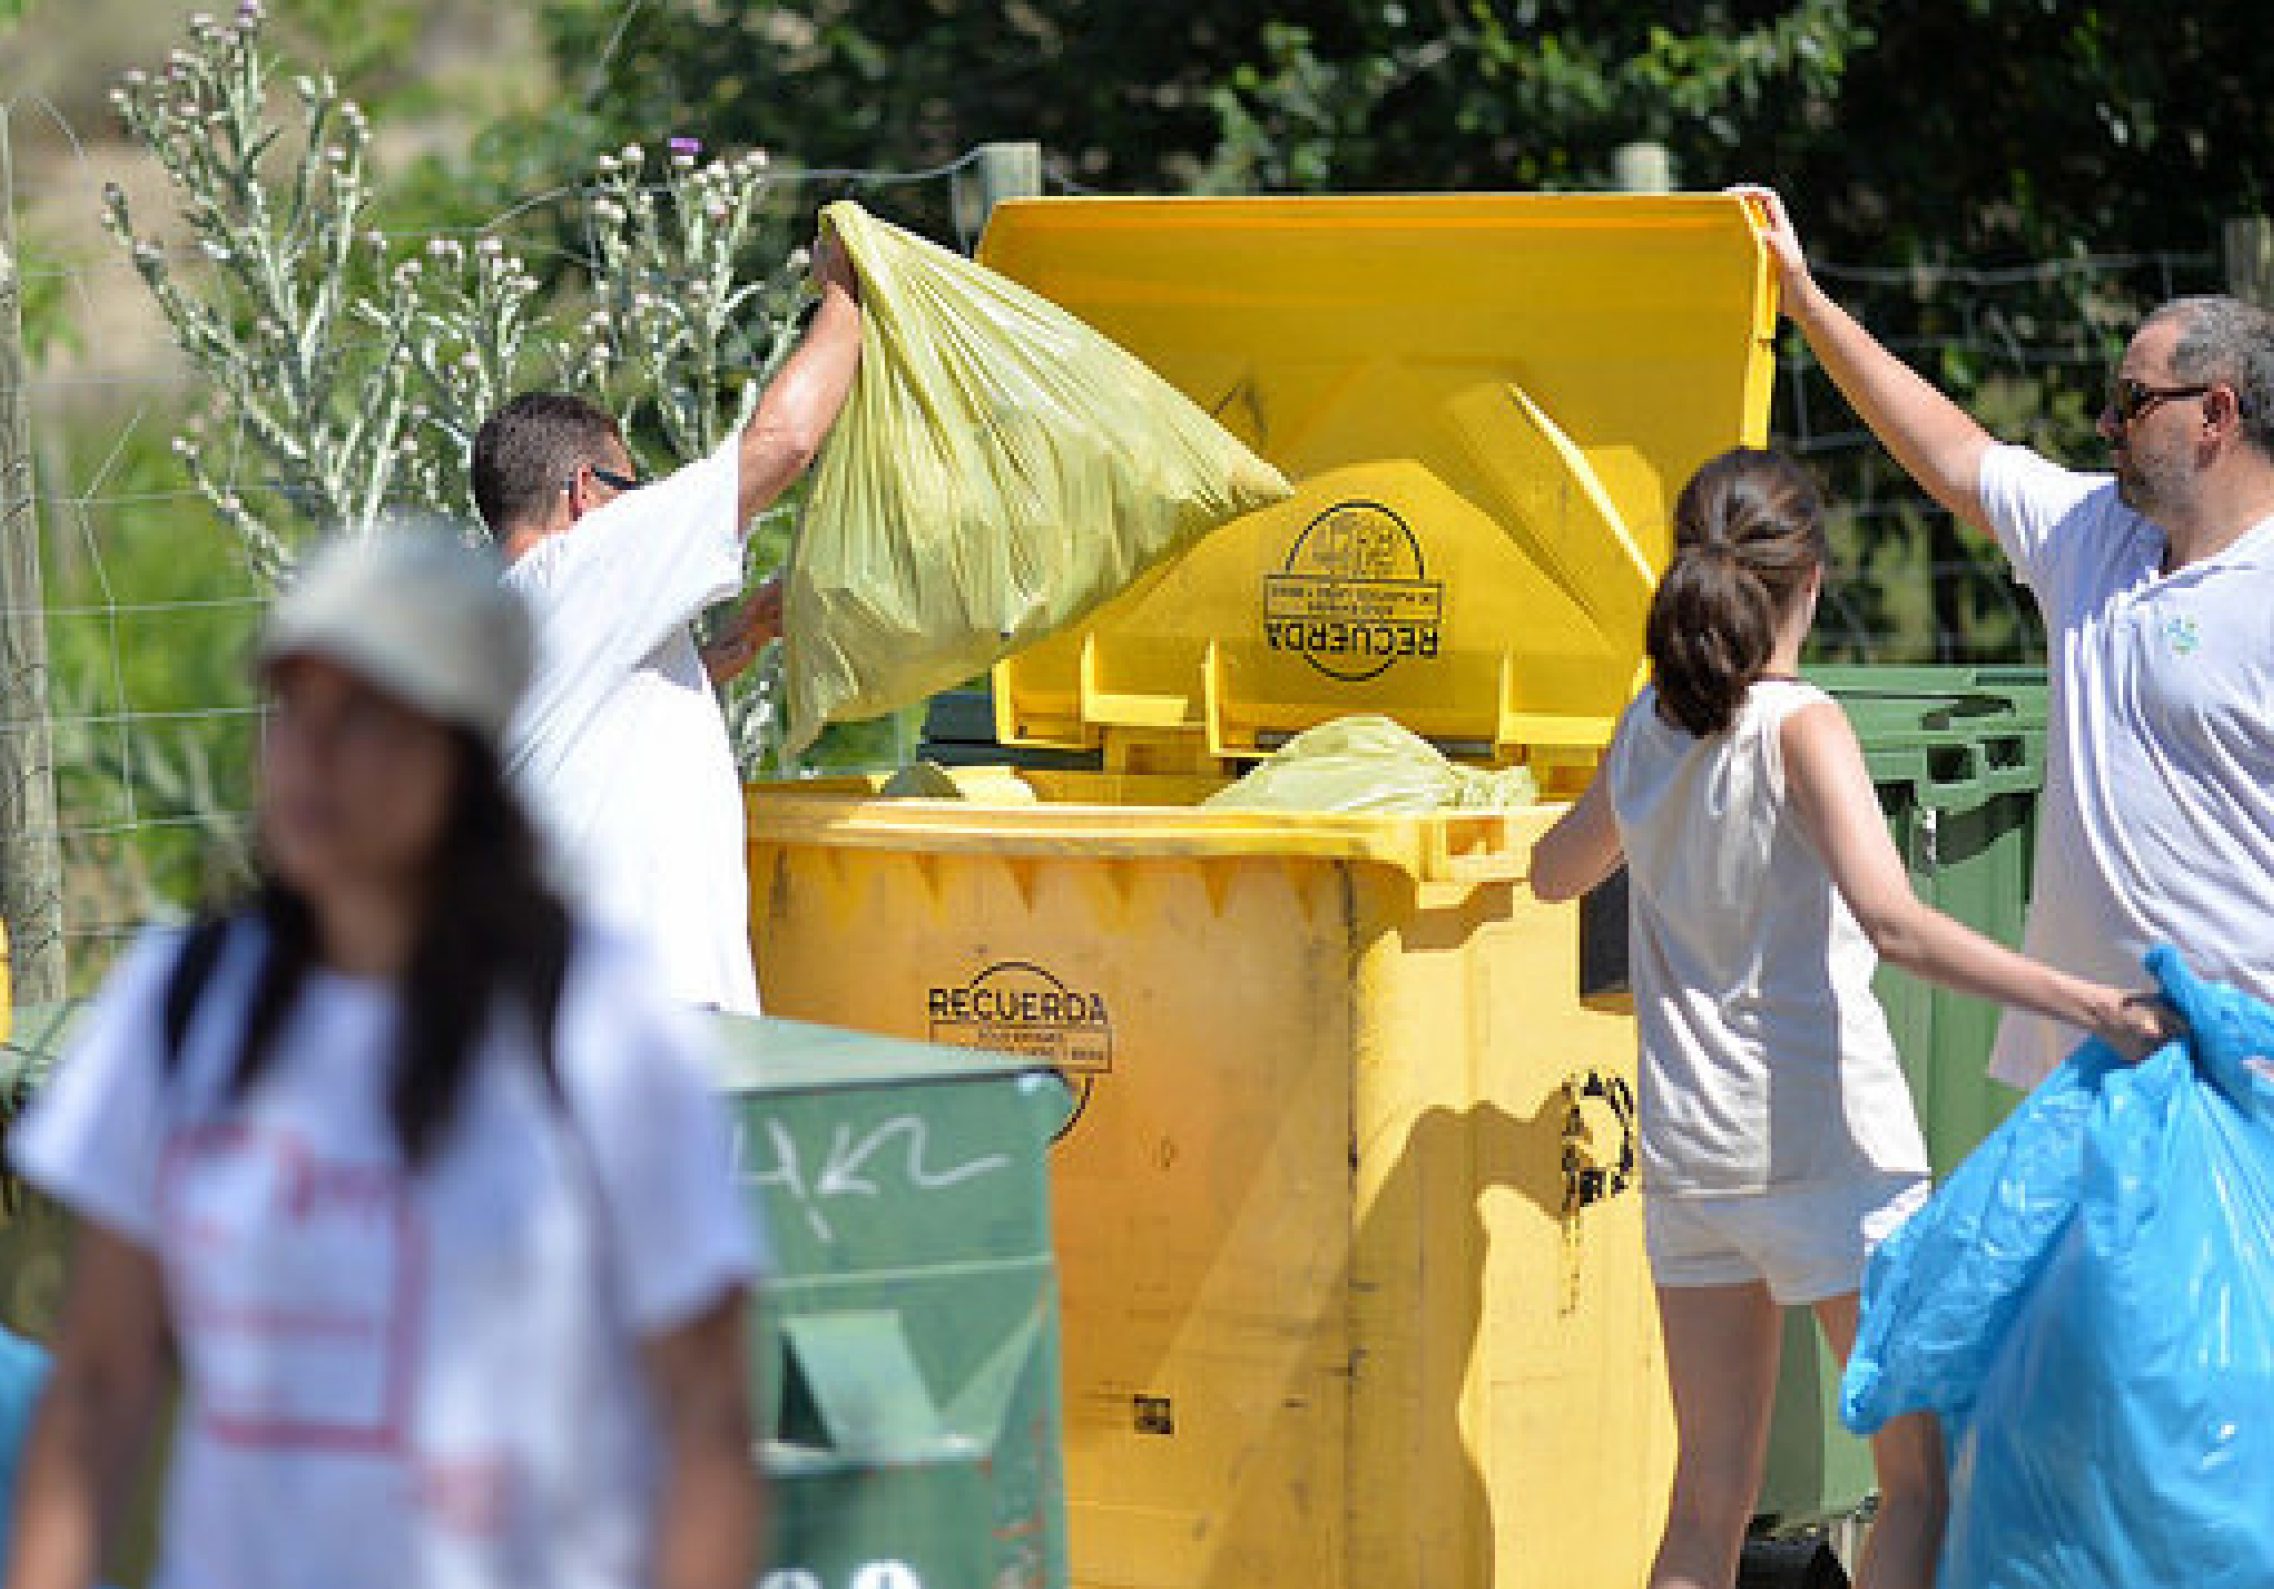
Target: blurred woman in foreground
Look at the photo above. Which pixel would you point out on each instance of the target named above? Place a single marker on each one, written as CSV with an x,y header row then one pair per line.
x,y
379,1162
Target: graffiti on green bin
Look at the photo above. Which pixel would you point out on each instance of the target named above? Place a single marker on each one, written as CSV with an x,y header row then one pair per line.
x,y
851,1166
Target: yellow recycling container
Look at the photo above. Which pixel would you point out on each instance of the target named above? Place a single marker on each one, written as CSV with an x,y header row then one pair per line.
x,y
1349,1243
1352,1281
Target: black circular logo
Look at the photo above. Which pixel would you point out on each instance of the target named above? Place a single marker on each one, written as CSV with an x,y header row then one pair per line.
x,y
1354,597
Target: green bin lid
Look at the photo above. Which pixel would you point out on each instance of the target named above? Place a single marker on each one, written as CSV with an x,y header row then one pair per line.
x,y
751,1056
764,1055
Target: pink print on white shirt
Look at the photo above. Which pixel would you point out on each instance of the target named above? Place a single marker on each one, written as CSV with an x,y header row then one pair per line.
x,y
299,1292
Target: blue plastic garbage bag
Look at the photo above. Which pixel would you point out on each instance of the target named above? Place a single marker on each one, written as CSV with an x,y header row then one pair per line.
x,y
23,1374
2090,1304
1941,1292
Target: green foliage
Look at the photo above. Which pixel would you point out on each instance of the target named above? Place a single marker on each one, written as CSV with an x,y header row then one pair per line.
x,y
684,339
286,229
370,46
360,385
1535,96
1979,132
1991,131
1912,136
360,378
152,702
1358,94
43,299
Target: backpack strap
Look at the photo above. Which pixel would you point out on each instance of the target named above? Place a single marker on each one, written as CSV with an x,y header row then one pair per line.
x,y
547,1026
185,987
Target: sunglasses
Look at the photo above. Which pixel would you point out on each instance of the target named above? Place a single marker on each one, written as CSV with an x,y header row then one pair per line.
x,y
2129,399
609,478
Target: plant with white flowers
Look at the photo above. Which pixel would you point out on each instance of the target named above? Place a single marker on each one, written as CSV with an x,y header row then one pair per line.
x,y
676,328
685,341
348,382
270,324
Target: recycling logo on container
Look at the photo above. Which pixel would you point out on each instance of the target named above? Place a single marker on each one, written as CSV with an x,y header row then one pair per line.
x,y
1355,598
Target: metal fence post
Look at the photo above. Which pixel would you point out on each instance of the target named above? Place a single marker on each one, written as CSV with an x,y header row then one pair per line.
x,y
2247,250
31,864
996,171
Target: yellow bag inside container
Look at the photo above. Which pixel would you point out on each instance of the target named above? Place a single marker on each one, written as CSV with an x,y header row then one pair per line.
x,y
1371,764
999,470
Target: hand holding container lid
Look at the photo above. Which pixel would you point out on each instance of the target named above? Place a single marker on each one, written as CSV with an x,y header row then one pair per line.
x,y
1352,1276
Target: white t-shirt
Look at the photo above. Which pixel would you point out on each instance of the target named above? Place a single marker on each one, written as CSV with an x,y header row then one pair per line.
x,y
620,747
2157,822
395,1378
1766,1060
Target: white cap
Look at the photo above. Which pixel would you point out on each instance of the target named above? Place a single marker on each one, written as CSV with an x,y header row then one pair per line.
x,y
417,615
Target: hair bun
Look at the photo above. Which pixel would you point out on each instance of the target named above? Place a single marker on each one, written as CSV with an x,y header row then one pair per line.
x,y
1748,536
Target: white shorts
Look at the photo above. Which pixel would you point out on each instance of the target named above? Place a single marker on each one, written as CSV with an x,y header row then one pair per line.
x,y
1808,1244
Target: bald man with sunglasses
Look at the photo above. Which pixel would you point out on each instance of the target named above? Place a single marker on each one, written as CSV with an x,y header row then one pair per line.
x,y
2156,581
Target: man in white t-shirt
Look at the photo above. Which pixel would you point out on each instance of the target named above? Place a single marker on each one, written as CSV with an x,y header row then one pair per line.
x,y
2157,586
620,747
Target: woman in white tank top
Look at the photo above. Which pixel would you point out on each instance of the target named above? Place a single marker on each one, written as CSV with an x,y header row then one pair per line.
x,y
1779,1143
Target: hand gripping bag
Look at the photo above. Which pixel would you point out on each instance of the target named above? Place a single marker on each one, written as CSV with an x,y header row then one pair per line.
x,y
999,470
2120,1427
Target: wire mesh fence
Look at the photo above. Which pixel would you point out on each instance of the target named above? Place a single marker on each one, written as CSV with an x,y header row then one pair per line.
x,y
2028,349
150,604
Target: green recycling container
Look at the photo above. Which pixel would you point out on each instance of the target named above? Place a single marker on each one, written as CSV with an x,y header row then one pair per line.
x,y
1959,777
904,1351
1958,757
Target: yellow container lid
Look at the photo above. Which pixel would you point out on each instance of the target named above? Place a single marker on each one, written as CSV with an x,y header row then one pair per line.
x,y
1487,403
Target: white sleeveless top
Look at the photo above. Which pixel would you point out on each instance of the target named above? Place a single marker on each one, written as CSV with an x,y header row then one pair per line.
x,y
1766,1059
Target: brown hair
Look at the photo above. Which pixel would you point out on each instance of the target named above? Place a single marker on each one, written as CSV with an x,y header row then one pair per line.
x,y
526,451
1748,533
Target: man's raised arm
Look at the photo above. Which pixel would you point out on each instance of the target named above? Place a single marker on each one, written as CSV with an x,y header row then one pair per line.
x,y
793,418
1937,442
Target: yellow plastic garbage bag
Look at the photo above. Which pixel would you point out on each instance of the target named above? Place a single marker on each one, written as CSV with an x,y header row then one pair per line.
x,y
1372,764
999,470
986,786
